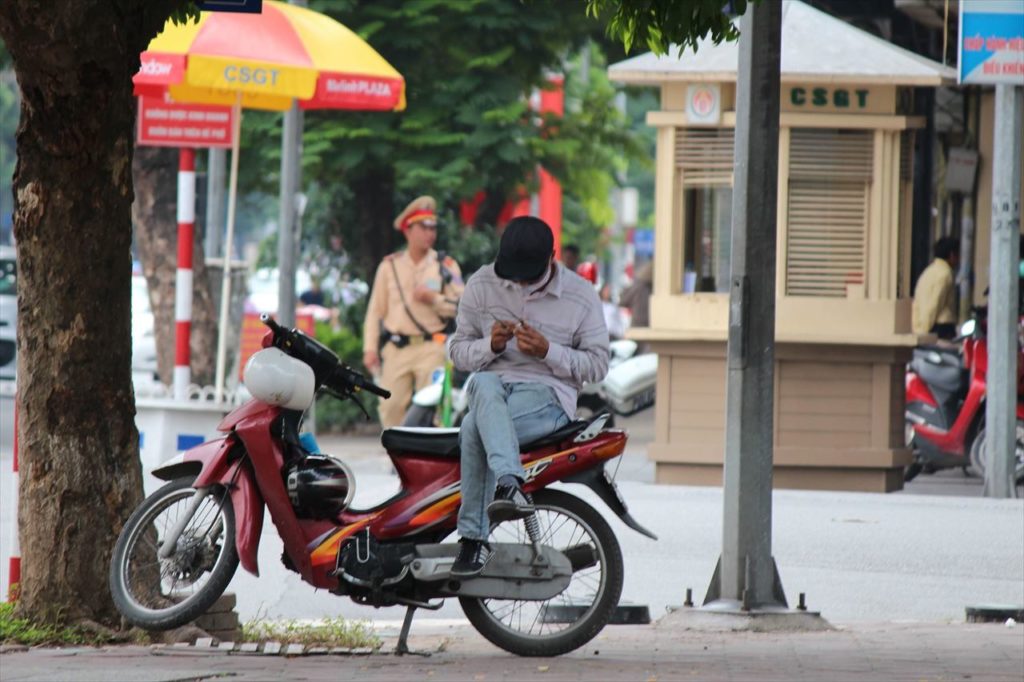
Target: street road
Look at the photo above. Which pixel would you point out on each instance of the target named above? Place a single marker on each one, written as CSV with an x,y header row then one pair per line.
x,y
858,556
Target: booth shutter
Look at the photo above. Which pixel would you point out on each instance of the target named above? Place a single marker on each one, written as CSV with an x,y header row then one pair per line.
x,y
829,190
704,155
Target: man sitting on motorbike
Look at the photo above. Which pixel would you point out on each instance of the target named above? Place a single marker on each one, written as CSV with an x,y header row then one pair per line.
x,y
534,332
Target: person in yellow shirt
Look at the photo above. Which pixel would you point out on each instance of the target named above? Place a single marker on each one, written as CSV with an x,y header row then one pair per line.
x,y
934,310
411,309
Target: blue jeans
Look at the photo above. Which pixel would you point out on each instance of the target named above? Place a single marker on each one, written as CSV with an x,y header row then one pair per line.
x,y
500,417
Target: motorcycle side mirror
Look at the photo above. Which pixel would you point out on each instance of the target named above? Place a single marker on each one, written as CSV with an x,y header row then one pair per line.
x,y
968,328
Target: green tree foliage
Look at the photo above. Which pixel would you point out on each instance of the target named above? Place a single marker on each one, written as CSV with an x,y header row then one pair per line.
x,y
659,24
470,67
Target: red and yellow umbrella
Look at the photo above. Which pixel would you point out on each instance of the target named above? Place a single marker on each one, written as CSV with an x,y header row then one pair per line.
x,y
269,60
286,53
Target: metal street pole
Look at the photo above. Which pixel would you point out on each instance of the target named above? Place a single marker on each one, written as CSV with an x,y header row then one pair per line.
x,y
746,577
1001,398
291,179
216,179
291,152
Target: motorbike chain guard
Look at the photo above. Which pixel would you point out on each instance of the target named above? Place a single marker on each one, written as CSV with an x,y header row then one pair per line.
x,y
511,573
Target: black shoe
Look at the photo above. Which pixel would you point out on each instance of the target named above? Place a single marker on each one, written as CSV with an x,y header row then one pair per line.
x,y
473,556
510,502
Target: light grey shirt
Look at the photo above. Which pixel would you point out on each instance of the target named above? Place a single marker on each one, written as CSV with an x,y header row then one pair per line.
x,y
567,312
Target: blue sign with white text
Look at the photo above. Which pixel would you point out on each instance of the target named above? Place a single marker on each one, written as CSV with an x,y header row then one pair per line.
x,y
248,6
991,46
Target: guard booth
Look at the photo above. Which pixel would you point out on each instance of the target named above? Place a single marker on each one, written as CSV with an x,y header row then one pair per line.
x,y
843,296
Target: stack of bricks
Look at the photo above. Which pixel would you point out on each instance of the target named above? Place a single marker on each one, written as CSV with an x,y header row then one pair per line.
x,y
221,620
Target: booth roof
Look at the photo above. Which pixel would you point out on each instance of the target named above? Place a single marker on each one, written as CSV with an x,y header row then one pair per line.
x,y
816,47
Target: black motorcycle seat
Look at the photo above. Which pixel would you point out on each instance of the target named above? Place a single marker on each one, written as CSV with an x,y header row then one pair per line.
x,y
939,368
421,440
444,443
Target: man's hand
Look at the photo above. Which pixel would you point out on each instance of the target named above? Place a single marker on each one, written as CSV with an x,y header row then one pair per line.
x,y
424,295
371,361
531,341
501,332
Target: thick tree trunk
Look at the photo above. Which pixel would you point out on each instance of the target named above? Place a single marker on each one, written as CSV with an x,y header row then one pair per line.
x,y
155,174
80,474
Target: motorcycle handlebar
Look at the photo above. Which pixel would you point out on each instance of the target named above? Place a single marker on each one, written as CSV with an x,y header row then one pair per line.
x,y
325,363
266,319
354,378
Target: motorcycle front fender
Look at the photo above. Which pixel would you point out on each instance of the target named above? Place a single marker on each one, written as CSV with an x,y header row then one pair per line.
x,y
207,460
209,464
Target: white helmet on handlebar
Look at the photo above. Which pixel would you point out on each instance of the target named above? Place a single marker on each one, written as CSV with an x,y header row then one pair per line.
x,y
276,378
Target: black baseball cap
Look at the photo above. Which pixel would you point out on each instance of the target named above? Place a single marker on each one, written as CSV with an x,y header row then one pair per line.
x,y
525,249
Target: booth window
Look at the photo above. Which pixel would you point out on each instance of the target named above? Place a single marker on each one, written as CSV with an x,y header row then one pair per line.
x,y
704,159
829,191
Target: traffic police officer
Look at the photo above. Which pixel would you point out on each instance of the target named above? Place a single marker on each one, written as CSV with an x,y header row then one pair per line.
x,y
412,307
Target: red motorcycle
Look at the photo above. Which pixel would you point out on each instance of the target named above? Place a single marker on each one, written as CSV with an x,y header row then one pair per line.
x,y
945,402
551,585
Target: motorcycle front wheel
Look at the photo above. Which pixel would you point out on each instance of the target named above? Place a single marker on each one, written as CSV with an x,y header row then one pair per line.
x,y
160,594
574,617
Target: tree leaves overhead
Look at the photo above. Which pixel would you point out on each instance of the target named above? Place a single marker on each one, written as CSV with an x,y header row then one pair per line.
x,y
658,24
469,67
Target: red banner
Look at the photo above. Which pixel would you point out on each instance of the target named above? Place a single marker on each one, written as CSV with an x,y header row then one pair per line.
x,y
158,69
163,123
343,91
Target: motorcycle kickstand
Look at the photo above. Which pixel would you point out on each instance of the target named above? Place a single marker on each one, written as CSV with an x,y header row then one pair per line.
x,y
402,648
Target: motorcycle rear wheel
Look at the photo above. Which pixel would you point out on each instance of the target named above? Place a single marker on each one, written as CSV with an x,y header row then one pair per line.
x,y
589,600
156,594
979,458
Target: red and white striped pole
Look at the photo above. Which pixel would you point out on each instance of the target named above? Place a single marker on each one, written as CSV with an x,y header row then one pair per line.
x,y
183,281
14,563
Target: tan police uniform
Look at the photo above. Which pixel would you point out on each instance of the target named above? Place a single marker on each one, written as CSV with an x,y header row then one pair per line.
x,y
409,352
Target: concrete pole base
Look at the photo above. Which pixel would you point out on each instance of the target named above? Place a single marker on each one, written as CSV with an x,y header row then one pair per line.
x,y
727,616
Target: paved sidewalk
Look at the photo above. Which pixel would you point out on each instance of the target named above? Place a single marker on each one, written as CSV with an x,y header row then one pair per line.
x,y
666,651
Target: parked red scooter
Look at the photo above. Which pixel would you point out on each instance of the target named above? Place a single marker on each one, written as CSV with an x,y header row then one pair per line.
x,y
551,585
945,402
